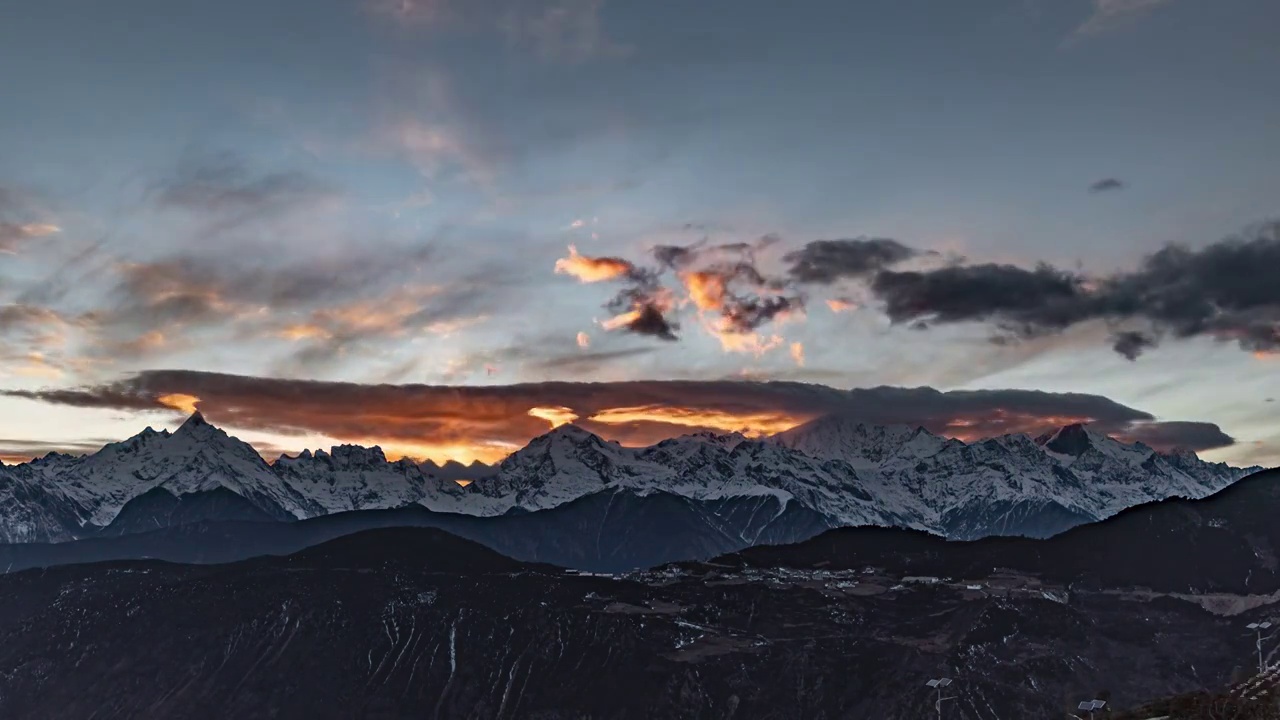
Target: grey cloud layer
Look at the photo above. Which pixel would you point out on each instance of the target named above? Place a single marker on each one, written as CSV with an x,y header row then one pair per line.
x,y
426,413
1226,291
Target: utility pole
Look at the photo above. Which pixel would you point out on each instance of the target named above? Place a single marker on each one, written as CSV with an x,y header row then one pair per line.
x,y
1258,628
938,685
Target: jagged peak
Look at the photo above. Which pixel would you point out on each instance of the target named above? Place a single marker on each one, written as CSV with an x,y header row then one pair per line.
x,y
198,429
353,454
286,458
1014,440
1179,453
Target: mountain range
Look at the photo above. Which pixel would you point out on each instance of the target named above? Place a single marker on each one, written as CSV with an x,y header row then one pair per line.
x,y
412,622
717,493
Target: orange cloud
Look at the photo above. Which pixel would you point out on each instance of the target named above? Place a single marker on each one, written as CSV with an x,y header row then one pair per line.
x,y
34,365
750,342
706,290
797,353
709,292
181,402
12,235
839,305
304,331
486,422
463,452
998,421
38,229
592,269
751,424
584,340
620,321
557,416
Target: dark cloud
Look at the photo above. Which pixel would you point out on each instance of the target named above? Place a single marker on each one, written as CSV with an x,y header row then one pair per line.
x,y
826,261
1107,185
1226,291
650,320
675,256
633,412
1132,343
680,257
747,314
1026,300
642,310
1177,435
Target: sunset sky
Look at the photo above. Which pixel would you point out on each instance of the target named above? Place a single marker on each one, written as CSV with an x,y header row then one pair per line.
x,y
445,226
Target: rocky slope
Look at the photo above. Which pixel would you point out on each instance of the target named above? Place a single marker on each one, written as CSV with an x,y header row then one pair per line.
x,y
413,623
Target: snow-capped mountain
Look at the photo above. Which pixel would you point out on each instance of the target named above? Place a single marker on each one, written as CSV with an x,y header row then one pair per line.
x,y
569,463
1011,484
352,477
31,510
844,472
197,457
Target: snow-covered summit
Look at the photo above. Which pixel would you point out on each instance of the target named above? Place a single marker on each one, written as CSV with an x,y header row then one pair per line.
x,y
845,471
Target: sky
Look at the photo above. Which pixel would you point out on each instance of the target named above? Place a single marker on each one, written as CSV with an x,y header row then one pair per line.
x,y
445,226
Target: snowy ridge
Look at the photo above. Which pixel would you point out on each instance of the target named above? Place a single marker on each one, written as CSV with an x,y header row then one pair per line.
x,y
970,490
847,472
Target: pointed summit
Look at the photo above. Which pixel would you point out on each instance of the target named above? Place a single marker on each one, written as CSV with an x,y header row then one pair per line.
x,y
1073,440
571,433
195,422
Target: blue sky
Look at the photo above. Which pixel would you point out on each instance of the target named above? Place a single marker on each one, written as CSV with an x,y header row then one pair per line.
x,y
446,153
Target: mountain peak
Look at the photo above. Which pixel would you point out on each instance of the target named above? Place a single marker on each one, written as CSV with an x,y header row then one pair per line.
x,y
1180,453
357,455
194,424
571,433
855,440
1073,440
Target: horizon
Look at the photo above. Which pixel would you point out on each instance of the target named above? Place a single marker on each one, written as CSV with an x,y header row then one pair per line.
x,y
271,455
